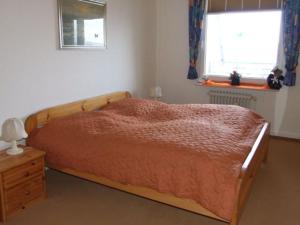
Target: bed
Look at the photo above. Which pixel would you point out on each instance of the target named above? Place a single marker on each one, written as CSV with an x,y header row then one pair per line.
x,y
134,166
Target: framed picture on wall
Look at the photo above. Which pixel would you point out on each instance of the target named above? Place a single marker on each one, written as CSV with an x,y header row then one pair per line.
x,y
82,24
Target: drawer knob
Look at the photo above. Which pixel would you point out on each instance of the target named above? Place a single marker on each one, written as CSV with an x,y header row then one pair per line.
x,y
33,163
27,193
23,207
27,174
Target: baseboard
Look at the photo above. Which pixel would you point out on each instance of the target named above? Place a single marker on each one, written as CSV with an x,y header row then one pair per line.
x,y
286,136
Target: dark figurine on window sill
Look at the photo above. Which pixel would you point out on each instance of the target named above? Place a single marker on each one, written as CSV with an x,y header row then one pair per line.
x,y
275,79
235,78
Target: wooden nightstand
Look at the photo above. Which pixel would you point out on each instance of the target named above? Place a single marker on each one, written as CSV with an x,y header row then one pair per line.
x,y
22,180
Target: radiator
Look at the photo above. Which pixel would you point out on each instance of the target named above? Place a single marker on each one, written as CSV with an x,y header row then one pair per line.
x,y
232,98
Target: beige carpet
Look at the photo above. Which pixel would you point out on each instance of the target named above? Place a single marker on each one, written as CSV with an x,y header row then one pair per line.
x,y
275,200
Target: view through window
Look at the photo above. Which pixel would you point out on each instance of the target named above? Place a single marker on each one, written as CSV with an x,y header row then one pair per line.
x,y
245,41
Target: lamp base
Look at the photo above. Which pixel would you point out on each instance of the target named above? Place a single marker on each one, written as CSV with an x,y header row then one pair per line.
x,y
14,150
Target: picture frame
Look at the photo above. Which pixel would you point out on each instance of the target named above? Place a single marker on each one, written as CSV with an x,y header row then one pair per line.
x,y
82,24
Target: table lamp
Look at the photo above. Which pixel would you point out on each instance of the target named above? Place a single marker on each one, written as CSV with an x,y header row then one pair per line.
x,y
12,131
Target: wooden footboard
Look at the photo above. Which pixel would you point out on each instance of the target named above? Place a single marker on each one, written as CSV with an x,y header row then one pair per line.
x,y
248,171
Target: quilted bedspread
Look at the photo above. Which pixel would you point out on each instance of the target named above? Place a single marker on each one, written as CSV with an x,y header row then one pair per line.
x,y
190,151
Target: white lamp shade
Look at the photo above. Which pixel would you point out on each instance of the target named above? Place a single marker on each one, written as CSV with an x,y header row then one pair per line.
x,y
156,92
13,130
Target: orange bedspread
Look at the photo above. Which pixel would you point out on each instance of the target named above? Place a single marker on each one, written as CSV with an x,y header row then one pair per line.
x,y
191,151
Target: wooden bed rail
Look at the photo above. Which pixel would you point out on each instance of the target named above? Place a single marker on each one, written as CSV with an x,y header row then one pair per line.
x,y
41,118
259,141
257,155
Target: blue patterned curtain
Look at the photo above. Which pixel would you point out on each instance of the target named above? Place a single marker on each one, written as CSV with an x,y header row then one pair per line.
x,y
291,13
196,14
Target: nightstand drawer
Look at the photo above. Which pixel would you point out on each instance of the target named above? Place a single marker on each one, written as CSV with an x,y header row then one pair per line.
x,y
22,173
19,196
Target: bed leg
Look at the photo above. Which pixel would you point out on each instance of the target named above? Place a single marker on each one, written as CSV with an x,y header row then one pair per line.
x,y
234,221
235,217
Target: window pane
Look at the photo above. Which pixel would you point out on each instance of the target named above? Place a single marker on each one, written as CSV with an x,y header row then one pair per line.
x,y
94,32
246,42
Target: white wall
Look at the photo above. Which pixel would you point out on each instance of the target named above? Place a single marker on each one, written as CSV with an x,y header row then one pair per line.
x,y
34,74
281,108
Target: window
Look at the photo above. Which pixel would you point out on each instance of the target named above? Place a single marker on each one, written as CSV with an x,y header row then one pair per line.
x,y
243,41
94,34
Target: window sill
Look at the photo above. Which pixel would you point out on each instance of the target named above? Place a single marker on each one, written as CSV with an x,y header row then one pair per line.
x,y
226,84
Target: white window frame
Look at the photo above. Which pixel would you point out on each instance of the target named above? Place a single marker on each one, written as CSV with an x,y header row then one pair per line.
x,y
223,78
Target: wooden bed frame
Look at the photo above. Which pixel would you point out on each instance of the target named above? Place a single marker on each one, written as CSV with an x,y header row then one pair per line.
x,y
248,172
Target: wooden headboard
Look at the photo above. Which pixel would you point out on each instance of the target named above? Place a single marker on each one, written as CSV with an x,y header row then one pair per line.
x,y
41,118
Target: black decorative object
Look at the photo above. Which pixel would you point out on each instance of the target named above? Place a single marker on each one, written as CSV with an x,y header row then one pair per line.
x,y
235,78
275,79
